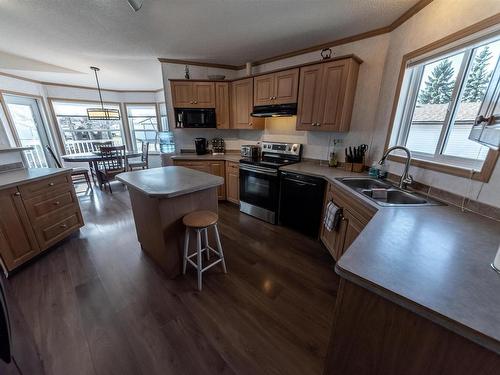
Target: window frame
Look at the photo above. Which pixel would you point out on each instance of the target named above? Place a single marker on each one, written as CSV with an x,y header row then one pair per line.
x,y
60,132
428,52
133,142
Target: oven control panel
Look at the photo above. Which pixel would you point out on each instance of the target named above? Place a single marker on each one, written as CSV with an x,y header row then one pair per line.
x,y
282,148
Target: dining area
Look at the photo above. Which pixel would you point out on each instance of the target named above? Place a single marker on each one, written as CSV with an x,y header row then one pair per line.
x,y
105,161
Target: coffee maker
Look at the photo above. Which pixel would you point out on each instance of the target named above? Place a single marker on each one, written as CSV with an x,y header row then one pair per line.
x,y
200,145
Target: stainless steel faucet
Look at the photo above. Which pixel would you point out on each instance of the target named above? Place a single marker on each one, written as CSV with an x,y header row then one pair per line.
x,y
406,178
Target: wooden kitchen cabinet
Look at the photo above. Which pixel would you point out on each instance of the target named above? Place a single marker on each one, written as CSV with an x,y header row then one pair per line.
x,y
355,216
215,167
222,107
276,88
17,239
192,94
326,95
242,106
233,182
36,215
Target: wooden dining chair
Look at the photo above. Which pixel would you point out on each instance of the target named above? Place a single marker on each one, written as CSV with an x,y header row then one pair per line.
x,y
143,163
112,162
77,173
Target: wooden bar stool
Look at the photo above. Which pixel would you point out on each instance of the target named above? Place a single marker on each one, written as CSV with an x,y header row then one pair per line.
x,y
200,221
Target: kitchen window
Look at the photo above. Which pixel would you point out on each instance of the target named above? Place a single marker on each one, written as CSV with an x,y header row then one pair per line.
x,y
80,134
143,124
163,117
440,100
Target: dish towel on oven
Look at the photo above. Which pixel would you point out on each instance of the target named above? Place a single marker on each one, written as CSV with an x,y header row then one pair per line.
x,y
331,216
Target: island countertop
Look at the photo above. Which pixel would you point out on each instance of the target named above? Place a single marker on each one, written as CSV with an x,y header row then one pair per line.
x,y
169,182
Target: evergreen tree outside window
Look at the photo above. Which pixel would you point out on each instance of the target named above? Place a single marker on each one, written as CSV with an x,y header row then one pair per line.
x,y
440,101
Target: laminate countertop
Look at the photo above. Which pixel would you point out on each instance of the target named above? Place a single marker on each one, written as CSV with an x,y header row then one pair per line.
x,y
22,176
432,260
169,182
234,157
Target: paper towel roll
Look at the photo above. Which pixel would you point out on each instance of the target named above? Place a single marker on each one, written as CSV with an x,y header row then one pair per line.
x,y
496,262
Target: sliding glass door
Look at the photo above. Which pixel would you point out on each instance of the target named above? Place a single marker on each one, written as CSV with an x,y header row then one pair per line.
x,y
30,130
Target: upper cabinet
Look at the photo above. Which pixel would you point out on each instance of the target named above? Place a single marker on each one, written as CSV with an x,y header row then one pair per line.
x,y
194,94
276,88
222,108
326,95
242,106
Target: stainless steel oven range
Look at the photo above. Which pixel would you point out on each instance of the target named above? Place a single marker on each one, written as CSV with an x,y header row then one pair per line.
x,y
259,179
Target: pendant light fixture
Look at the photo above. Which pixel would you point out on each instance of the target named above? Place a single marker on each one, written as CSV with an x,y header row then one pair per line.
x,y
101,113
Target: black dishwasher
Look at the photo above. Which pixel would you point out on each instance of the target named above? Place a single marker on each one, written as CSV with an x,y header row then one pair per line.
x,y
301,202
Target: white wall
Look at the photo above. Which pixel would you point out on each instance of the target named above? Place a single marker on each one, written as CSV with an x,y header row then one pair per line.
x,y
435,21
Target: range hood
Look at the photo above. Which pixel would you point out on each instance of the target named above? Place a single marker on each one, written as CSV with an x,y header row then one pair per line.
x,y
277,110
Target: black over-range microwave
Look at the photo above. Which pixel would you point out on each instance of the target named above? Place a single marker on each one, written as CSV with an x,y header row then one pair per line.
x,y
195,118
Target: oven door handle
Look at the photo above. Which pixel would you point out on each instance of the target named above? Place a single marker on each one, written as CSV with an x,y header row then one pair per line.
x,y
266,171
298,182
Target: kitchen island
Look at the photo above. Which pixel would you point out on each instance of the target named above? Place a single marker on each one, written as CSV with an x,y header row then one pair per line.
x,y
160,197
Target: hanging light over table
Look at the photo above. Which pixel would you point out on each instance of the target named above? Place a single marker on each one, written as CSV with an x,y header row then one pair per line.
x,y
101,113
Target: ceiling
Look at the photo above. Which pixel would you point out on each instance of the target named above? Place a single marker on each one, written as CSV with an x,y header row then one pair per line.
x,y
57,40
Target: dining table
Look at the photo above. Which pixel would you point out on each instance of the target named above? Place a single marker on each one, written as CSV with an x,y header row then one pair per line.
x,y
93,158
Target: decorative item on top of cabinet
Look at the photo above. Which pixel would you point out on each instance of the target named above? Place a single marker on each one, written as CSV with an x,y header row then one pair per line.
x,y
326,95
276,88
192,94
355,216
222,106
242,106
233,182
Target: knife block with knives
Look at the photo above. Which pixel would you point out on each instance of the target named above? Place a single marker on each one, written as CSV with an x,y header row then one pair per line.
x,y
355,158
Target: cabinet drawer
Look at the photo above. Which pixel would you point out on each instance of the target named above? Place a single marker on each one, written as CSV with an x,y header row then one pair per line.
x,y
51,232
34,188
45,204
233,166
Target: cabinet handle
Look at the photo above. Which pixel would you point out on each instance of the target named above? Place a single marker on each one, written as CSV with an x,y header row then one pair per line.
x,y
274,98
63,226
17,194
270,98
250,123
51,184
57,203
196,102
191,102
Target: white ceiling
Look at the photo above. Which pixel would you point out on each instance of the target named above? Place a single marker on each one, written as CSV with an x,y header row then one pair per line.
x,y
57,40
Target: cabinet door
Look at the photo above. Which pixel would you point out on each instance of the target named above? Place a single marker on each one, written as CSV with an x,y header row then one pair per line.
x,y
182,94
242,106
353,229
222,105
337,95
332,95
204,94
309,95
286,85
217,168
263,89
233,182
17,239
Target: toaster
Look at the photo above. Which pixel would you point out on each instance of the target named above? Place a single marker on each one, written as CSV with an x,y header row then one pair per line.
x,y
250,151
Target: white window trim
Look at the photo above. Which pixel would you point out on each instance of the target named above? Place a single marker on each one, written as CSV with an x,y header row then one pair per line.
x,y
409,94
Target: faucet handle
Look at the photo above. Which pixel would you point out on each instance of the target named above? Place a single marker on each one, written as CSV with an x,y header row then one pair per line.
x,y
408,179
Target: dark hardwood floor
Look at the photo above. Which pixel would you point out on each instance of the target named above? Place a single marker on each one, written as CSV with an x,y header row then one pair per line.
x,y
97,305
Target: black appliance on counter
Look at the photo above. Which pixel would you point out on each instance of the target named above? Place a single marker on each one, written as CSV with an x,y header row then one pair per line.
x,y
259,179
201,146
301,202
195,118
275,110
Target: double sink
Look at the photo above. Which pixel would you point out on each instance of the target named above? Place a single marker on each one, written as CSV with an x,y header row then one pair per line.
x,y
384,193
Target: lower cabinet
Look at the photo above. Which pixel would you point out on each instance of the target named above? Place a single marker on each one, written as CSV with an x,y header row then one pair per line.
x,y
233,182
355,216
215,167
36,215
